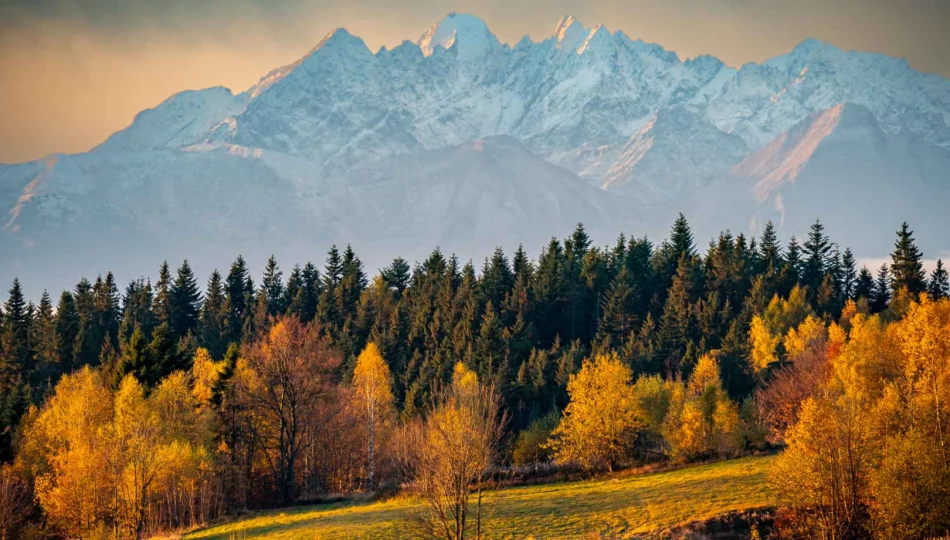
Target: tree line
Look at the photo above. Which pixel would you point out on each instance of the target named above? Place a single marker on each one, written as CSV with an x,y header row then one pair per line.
x,y
167,405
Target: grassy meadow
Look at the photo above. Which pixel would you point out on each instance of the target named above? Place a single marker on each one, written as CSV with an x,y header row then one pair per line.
x,y
620,506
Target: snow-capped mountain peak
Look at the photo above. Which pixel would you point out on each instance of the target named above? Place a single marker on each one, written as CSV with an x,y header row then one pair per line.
x,y
570,33
467,33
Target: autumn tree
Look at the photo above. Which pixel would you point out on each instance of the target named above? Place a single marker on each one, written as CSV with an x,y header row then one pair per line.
x,y
373,400
294,371
599,424
445,455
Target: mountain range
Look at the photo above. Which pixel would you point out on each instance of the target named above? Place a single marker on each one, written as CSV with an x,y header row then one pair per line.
x,y
462,141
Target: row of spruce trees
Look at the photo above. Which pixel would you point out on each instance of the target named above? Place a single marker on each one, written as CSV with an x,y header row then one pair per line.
x,y
524,324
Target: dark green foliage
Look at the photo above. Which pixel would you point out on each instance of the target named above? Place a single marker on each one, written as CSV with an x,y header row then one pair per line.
x,y
185,302
882,290
239,290
273,287
907,270
817,252
864,285
214,317
939,285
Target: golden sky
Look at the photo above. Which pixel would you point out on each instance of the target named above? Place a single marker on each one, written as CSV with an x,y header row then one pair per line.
x,y
74,71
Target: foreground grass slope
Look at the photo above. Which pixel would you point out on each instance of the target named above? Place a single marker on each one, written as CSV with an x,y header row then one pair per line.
x,y
616,507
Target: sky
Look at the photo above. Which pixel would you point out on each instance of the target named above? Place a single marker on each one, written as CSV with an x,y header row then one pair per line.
x,y
74,71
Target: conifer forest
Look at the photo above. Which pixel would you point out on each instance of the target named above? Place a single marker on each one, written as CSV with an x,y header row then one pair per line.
x,y
175,400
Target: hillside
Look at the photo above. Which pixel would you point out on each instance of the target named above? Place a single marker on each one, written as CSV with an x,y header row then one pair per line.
x,y
624,507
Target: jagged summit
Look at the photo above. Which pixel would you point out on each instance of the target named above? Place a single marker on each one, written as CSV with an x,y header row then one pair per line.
x,y
569,33
468,33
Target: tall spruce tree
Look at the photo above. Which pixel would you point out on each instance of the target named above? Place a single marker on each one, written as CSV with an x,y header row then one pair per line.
x,y
817,251
238,289
162,308
864,286
214,317
907,270
939,285
185,301
882,290
272,286
849,275
45,345
770,250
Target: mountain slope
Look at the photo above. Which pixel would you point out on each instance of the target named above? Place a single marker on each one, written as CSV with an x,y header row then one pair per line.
x,y
460,140
842,166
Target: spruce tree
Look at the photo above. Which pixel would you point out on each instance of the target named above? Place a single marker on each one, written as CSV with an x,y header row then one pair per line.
x,y
273,287
681,238
618,317
939,285
817,253
907,270
45,345
136,309
162,304
16,328
864,286
882,290
67,330
793,266
185,301
849,275
397,275
770,250
214,317
238,287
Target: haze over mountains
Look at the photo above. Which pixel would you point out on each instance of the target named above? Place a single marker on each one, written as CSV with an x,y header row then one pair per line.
x,y
460,140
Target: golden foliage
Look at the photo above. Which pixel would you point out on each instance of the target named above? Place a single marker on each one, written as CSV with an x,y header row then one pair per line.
x,y
600,422
868,453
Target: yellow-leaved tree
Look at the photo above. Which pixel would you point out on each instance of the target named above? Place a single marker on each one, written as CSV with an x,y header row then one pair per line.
x,y
702,419
445,455
373,403
600,422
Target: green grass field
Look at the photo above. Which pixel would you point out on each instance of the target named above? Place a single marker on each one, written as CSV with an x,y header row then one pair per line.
x,y
617,507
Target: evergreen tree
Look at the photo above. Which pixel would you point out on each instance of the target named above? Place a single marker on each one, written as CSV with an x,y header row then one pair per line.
x,y
619,313
793,267
137,309
397,275
135,359
185,301
849,275
214,317
88,342
864,286
907,270
273,287
817,252
238,289
292,291
497,278
770,250
939,285
16,349
162,307
45,344
677,322
681,238
882,290
67,330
